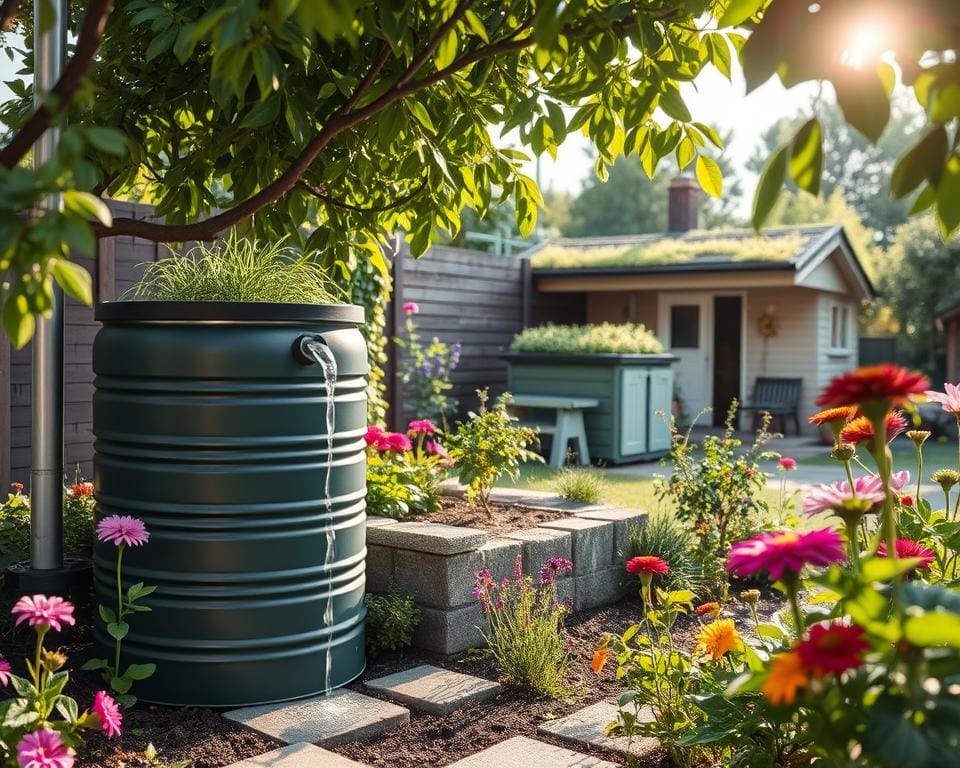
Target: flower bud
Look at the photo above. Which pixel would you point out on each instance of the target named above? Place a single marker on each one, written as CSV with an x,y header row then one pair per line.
x,y
946,478
750,596
919,436
52,660
843,452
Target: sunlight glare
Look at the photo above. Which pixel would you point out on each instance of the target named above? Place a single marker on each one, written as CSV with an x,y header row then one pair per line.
x,y
865,43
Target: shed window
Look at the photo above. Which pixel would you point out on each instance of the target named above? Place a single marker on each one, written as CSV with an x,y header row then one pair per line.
x,y
685,326
840,328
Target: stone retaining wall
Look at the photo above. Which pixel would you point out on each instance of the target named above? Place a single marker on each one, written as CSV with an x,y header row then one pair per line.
x,y
436,564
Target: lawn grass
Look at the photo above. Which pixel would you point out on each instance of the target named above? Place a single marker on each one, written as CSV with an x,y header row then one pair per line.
x,y
936,455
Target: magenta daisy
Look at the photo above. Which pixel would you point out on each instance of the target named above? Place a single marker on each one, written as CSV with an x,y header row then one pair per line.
x,y
5,670
44,749
122,529
108,713
908,549
373,434
421,427
949,399
785,554
838,496
42,611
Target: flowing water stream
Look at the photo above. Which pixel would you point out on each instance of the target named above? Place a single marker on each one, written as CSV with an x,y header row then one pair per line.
x,y
323,355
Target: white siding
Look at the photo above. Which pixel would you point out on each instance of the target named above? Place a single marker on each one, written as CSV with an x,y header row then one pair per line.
x,y
827,277
832,362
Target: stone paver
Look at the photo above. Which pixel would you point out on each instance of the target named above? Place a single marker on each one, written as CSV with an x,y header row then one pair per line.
x,y
325,720
433,538
298,756
587,727
521,752
434,690
592,542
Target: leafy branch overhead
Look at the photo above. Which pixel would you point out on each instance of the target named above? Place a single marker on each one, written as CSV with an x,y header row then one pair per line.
x,y
333,121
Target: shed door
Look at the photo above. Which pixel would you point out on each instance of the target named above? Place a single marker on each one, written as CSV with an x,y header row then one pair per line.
x,y
661,398
633,411
685,325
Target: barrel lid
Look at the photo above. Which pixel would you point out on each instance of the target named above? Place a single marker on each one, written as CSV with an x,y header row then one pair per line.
x,y
226,311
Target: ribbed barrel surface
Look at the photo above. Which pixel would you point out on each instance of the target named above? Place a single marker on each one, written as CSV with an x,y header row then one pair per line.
x,y
209,430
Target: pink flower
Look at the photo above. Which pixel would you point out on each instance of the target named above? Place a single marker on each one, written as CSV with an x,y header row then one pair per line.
x,y
41,611
949,399
399,442
435,449
108,713
837,496
373,434
899,479
122,529
909,549
5,670
421,427
411,308
44,749
780,554
786,463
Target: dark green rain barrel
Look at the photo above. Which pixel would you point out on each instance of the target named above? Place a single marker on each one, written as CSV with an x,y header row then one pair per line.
x,y
213,424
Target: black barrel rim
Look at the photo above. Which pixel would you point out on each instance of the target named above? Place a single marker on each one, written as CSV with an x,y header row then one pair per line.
x,y
226,311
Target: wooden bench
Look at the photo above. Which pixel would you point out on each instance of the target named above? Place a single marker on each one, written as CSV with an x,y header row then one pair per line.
x,y
567,425
780,397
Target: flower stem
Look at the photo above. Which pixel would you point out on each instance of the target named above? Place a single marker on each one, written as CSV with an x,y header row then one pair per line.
x,y
920,471
792,587
853,541
116,659
37,677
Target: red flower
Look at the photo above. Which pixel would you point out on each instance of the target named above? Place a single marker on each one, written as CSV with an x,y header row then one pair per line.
x,y
833,648
650,564
786,463
711,608
861,428
17,487
884,383
373,434
842,414
909,549
82,489
907,501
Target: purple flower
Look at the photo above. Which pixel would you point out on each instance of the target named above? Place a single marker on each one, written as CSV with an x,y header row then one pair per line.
x,y
122,529
553,569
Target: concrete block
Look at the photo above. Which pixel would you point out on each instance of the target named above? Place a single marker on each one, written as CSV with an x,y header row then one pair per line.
x,y
379,568
587,727
623,520
432,538
521,752
335,718
600,588
592,542
298,756
450,631
434,690
373,521
540,544
437,581
500,556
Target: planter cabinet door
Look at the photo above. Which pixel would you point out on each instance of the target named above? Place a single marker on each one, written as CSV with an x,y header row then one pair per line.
x,y
633,411
661,399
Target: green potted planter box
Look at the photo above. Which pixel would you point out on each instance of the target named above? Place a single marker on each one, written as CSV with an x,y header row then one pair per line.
x,y
635,394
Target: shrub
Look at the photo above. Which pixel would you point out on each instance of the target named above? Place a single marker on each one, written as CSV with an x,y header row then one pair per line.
x,y
237,269
391,621
580,484
403,475
488,445
619,338
664,537
78,506
426,371
525,621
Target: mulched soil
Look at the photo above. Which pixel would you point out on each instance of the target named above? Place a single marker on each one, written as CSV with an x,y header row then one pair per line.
x,y
502,518
206,740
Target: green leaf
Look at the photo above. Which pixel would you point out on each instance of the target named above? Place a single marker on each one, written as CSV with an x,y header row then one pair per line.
x,y
107,140
74,279
161,43
68,709
107,614
18,320
140,671
118,630
738,11
923,201
92,665
948,195
672,103
87,205
446,50
710,176
768,188
933,630
685,152
263,112
121,684
886,569
924,161
421,115
806,157
863,100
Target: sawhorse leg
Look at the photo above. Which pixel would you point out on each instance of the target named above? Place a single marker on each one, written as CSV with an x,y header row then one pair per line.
x,y
569,425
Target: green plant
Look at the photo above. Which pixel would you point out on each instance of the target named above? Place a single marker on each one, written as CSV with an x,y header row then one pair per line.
x,y
237,269
617,338
426,371
391,621
525,623
580,484
490,444
662,535
403,475
78,506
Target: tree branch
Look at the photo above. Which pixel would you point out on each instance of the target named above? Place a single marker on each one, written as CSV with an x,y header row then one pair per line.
x,y
8,12
91,33
321,194
339,122
430,48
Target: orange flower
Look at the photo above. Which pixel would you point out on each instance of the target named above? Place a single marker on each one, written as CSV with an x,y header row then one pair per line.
x,y
600,657
842,414
719,638
787,675
873,384
861,428
712,608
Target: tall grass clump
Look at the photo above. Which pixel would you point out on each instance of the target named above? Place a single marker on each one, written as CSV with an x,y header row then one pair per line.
x,y
580,484
237,269
663,536
616,338
525,636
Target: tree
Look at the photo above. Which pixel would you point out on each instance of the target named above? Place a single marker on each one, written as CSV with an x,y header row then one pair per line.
x,y
918,277
860,170
355,116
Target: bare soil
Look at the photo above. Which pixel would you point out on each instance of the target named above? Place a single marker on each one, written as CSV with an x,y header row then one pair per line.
x,y
502,518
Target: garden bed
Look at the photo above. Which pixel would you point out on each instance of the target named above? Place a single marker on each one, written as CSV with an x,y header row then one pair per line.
x,y
501,519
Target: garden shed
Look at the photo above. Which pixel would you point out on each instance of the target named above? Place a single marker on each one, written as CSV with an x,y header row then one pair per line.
x,y
730,305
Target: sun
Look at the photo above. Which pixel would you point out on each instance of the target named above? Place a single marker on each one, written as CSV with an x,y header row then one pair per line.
x,y
865,42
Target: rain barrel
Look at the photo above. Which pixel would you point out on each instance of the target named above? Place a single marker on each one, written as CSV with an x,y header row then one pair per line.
x,y
223,427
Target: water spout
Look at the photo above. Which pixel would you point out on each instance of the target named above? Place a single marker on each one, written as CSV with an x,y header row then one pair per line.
x,y
309,350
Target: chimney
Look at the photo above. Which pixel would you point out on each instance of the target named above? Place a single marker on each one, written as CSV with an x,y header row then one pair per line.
x,y
683,206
